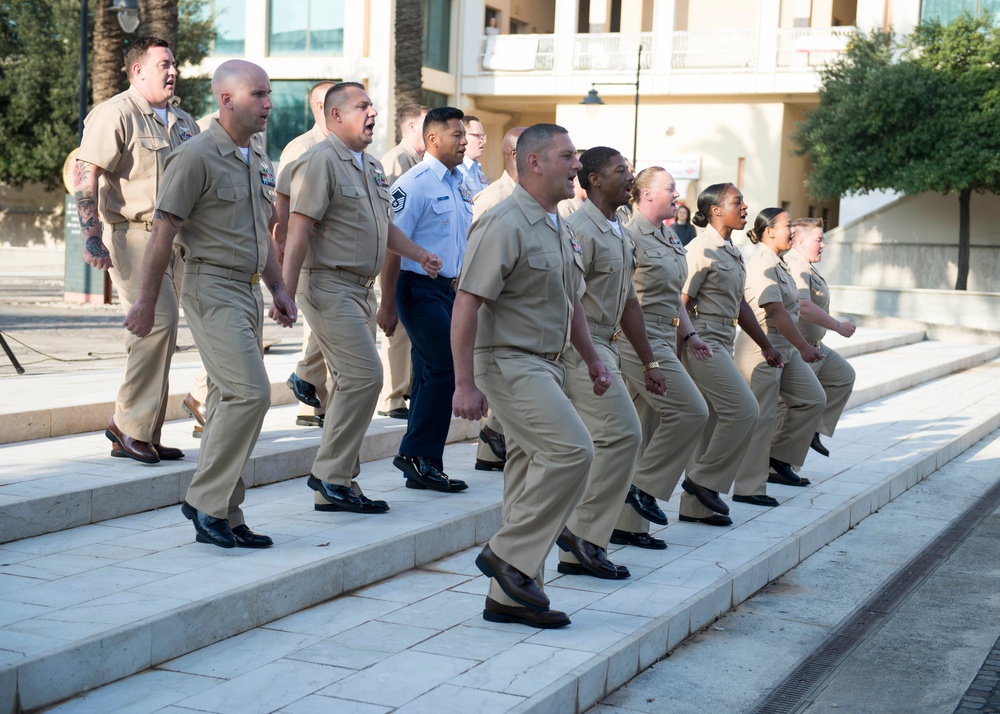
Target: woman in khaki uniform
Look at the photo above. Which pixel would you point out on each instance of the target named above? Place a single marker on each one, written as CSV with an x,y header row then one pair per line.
x,y
713,296
671,422
774,298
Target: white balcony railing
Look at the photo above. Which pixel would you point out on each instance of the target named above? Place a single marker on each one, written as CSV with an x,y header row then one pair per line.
x,y
612,51
811,47
727,49
518,53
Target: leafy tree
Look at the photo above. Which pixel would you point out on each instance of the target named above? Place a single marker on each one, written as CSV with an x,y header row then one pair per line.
x,y
915,115
39,79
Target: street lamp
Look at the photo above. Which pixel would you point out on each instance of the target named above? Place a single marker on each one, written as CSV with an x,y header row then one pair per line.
x,y
128,18
593,99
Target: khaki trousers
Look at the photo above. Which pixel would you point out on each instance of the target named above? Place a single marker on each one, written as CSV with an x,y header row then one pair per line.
x,y
396,354
226,318
199,389
312,369
803,396
836,375
343,318
483,451
614,427
731,417
141,403
671,423
549,452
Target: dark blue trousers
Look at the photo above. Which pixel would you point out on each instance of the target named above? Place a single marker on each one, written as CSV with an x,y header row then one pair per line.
x,y
424,307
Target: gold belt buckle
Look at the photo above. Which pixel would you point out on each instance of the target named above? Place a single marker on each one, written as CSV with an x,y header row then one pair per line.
x,y
617,336
675,322
736,321
255,278
369,283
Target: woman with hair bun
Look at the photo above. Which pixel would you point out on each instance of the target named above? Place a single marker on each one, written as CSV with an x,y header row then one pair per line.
x,y
671,422
713,296
774,298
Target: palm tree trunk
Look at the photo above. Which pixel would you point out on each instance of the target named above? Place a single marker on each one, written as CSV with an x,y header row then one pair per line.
x,y
108,76
964,209
160,20
409,30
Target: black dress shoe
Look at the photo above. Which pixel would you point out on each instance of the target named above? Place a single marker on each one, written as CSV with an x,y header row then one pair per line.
x,y
140,451
483,465
639,540
308,420
591,557
422,474
303,391
817,445
768,501
782,472
713,520
547,619
209,529
707,497
246,538
518,586
495,440
166,453
645,505
397,413
342,498
621,572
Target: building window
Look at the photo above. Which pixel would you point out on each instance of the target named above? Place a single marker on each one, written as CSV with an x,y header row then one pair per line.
x,y
229,18
291,115
307,27
947,10
433,99
437,34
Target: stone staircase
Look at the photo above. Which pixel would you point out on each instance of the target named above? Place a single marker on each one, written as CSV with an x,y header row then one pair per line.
x,y
102,587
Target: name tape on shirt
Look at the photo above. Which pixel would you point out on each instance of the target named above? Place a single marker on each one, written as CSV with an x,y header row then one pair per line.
x,y
398,199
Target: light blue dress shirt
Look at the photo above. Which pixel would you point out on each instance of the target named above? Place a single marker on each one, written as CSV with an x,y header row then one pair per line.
x,y
475,177
433,207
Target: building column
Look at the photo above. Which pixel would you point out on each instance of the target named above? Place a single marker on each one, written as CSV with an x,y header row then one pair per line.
x,y
565,35
663,38
769,18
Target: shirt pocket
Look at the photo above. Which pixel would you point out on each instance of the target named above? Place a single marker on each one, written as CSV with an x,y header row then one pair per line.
x,y
443,212
151,152
541,275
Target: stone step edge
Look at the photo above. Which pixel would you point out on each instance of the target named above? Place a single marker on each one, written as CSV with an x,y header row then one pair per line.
x,y
592,681
34,424
71,509
56,675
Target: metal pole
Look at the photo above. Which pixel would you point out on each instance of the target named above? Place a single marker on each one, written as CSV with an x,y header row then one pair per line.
x,y
83,68
635,128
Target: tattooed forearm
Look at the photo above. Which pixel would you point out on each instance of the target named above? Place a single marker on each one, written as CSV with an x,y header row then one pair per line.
x,y
273,286
175,221
96,247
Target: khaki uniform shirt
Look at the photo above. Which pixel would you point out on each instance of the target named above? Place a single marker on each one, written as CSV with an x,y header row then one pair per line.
x,y
661,267
226,204
768,280
351,206
398,160
492,195
812,287
293,150
716,276
530,274
609,262
124,137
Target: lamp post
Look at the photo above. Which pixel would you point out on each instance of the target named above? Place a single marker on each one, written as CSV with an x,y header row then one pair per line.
x,y
128,18
594,99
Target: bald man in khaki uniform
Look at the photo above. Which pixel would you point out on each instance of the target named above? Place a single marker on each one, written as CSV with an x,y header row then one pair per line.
x,y
340,210
516,311
834,372
220,189
611,309
310,380
396,346
126,142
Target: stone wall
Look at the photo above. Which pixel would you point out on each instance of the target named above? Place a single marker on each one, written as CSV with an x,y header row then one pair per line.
x,y
31,217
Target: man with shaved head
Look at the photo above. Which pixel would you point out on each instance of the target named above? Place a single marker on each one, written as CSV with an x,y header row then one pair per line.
x,y
219,187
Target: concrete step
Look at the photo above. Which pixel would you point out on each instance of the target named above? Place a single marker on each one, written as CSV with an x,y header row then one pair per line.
x,y
50,485
98,603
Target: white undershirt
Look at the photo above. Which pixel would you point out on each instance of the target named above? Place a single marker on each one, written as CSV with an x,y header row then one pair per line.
x,y
162,113
554,217
245,150
359,156
615,226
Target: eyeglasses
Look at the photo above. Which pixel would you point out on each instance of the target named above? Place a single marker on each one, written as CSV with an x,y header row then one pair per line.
x,y
481,137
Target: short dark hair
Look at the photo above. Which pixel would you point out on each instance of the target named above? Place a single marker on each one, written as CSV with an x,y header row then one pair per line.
x,y
594,161
138,49
411,111
765,219
440,116
333,98
714,195
533,140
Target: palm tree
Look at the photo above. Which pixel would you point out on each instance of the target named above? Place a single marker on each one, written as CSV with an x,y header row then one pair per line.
x,y
409,30
160,20
108,76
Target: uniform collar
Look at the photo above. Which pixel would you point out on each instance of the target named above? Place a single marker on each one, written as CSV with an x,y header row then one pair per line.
x,y
225,143
469,163
437,169
646,227
408,149
769,256
531,208
317,133
343,151
597,217
144,106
